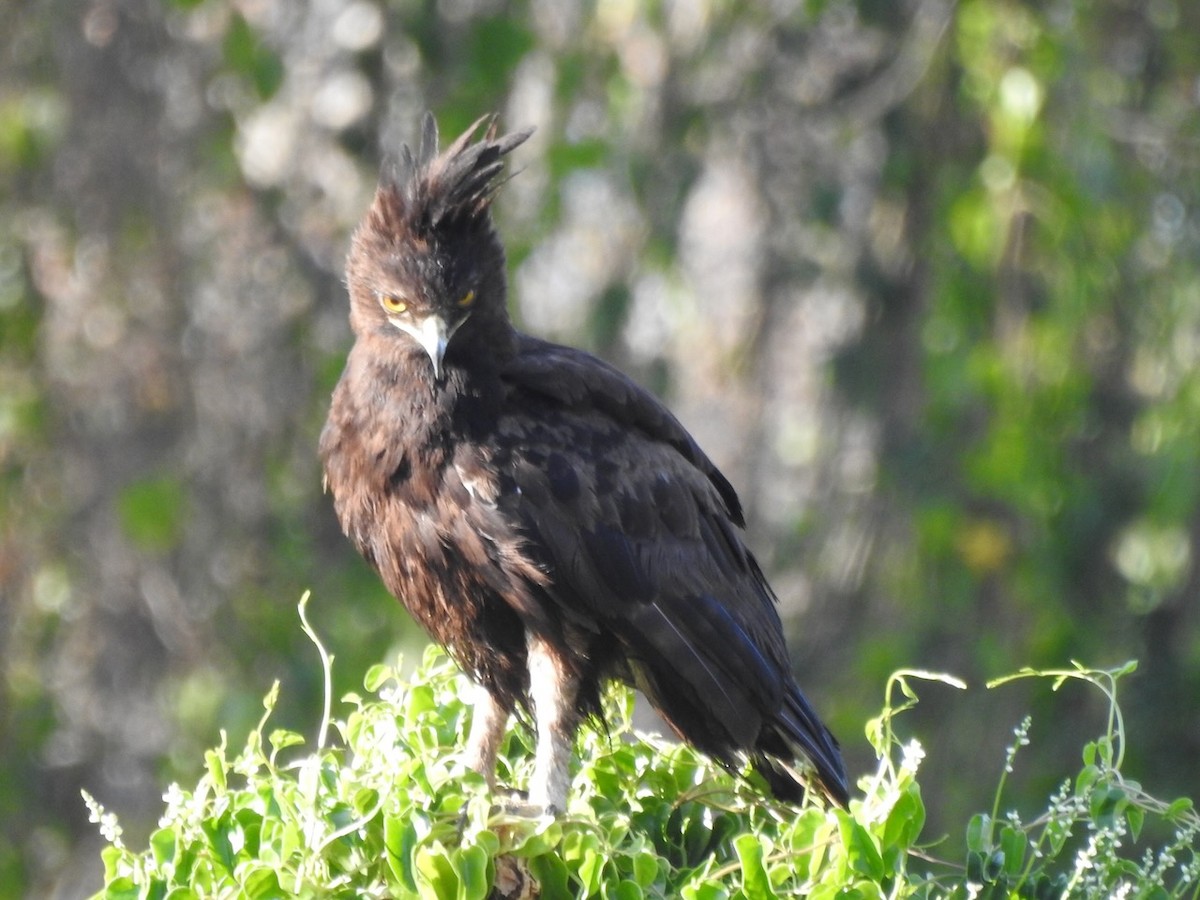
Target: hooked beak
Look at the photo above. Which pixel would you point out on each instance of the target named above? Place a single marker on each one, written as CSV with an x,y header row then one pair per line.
x,y
433,333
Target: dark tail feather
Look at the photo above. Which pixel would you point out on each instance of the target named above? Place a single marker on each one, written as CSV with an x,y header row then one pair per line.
x,y
807,738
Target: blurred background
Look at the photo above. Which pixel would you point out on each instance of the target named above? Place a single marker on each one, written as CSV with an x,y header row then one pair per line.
x,y
922,277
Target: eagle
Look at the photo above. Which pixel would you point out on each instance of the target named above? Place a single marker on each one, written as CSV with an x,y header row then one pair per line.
x,y
543,517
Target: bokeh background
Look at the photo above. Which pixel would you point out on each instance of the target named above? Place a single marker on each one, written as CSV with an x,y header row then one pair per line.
x,y
922,277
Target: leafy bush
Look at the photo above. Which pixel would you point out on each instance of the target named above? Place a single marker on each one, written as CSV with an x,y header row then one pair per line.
x,y
389,810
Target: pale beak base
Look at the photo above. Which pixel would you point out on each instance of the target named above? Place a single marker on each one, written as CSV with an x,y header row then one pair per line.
x,y
433,333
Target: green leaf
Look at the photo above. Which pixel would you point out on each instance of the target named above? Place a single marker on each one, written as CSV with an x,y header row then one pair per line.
x,y
624,890
697,835
420,700
723,828
815,836
249,821
551,874
979,833
377,676
1013,842
489,841
994,866
436,875
1135,816
707,891
262,884
541,838
162,846
122,889
185,862
1105,804
112,857
975,866
365,800
472,868
645,868
215,763
1178,808
1089,754
281,739
1086,779
591,868
217,831
905,820
862,855
755,883
1057,832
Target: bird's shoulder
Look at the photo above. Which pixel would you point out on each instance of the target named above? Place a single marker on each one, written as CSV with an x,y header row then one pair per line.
x,y
609,413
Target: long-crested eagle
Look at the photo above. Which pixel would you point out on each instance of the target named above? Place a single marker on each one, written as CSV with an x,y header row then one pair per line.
x,y
544,518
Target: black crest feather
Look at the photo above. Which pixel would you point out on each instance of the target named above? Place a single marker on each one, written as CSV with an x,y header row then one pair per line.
x,y
431,191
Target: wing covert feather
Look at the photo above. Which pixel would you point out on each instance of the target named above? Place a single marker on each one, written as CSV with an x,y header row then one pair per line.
x,y
575,378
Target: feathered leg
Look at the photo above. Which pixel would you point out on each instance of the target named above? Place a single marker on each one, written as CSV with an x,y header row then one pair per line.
x,y
554,690
488,719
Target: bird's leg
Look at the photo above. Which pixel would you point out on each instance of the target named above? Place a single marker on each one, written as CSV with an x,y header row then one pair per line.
x,y
554,690
488,719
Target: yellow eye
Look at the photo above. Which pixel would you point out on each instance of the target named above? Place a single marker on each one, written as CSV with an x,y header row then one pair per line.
x,y
467,300
393,304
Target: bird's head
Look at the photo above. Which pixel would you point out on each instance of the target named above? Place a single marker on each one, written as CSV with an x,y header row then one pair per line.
x,y
426,259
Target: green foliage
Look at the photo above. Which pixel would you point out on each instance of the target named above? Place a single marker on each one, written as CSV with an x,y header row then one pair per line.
x,y
1076,847
1045,481
390,810
153,512
30,124
249,57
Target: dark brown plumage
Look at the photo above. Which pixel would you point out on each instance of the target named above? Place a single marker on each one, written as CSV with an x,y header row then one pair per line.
x,y
543,517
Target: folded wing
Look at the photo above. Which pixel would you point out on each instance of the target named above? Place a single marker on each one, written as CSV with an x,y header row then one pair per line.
x,y
640,535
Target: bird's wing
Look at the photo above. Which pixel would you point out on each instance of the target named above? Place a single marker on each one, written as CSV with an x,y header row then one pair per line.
x,y
575,379
640,536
